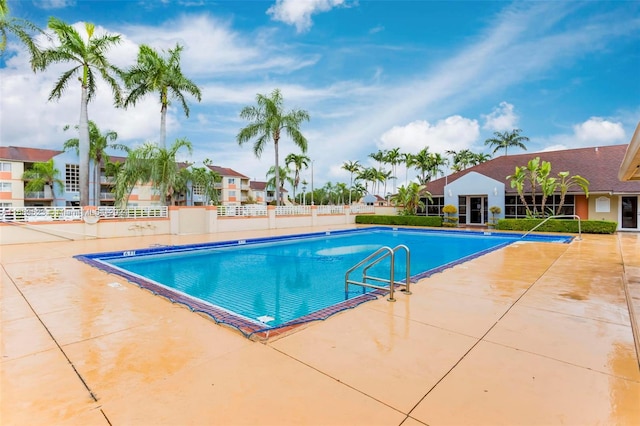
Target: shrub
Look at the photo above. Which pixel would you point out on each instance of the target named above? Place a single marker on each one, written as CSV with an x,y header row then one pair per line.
x,y
555,225
449,220
434,221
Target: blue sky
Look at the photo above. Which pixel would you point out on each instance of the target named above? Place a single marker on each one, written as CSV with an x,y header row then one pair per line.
x,y
372,75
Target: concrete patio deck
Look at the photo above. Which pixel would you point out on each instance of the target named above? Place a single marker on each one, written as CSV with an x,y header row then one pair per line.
x,y
534,333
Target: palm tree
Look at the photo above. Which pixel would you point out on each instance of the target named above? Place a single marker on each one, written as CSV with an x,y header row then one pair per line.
x,y
393,157
267,122
155,74
378,156
21,28
89,59
41,174
206,179
164,170
406,159
98,144
368,174
410,198
422,162
438,161
352,167
278,179
299,161
566,183
134,169
507,139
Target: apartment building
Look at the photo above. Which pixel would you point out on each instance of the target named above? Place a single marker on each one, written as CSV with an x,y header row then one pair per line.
x,y
233,189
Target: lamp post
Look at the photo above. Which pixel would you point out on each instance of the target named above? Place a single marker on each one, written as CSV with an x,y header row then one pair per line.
x,y
312,161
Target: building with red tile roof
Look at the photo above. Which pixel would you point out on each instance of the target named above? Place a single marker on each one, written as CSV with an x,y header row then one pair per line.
x,y
474,190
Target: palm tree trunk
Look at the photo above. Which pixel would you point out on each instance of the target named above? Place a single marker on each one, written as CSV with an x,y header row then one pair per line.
x,y
163,126
83,147
277,170
350,188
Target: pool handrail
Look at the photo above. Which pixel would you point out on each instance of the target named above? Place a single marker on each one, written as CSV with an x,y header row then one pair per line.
x,y
575,216
390,252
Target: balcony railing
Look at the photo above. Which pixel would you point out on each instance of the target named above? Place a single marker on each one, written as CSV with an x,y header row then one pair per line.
x,y
107,196
37,195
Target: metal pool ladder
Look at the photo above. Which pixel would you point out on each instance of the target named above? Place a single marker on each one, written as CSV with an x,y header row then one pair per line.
x,y
373,259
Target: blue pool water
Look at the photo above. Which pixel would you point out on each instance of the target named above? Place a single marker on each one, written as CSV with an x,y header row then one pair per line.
x,y
279,280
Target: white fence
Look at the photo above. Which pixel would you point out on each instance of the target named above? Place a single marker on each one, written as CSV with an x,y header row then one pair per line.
x,y
53,214
293,210
242,211
48,214
133,212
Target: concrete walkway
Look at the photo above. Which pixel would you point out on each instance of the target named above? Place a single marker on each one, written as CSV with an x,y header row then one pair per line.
x,y
534,333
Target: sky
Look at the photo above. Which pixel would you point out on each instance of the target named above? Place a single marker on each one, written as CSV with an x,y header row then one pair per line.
x,y
373,75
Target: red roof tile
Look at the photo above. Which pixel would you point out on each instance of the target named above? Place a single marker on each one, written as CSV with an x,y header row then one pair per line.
x,y
599,165
225,171
27,155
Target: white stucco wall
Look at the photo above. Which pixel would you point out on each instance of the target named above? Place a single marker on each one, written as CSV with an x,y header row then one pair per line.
x,y
474,183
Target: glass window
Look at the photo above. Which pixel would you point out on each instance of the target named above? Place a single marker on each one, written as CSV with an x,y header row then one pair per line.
x,y
5,186
6,205
72,178
232,181
232,193
5,167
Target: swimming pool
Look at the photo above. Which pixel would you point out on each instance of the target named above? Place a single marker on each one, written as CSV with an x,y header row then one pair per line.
x,y
263,284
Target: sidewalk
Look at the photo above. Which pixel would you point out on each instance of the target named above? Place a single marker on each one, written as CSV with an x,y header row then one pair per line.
x,y
534,333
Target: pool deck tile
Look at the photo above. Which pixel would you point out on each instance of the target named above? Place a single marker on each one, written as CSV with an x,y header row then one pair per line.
x,y
533,333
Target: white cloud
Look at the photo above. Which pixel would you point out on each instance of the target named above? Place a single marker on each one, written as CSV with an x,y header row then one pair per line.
x,y
54,4
593,132
501,118
453,133
597,130
298,12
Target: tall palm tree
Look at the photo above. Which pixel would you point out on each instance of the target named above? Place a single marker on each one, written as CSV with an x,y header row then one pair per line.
x,y
89,60
378,156
299,161
422,162
278,179
20,28
406,159
267,122
352,167
43,174
98,144
393,157
507,139
154,73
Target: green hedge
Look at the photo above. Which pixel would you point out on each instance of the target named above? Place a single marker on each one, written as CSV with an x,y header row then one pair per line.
x,y
435,221
555,225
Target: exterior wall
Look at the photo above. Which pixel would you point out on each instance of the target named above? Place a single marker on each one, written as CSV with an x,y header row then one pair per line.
x,y
612,214
182,220
476,184
15,197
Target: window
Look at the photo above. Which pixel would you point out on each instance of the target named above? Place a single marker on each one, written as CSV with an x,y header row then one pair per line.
x,y
514,208
433,207
232,193
603,205
6,205
5,186
198,189
72,178
5,167
232,181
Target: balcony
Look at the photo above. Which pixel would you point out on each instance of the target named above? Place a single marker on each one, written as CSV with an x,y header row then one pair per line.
x,y
107,180
107,196
38,195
